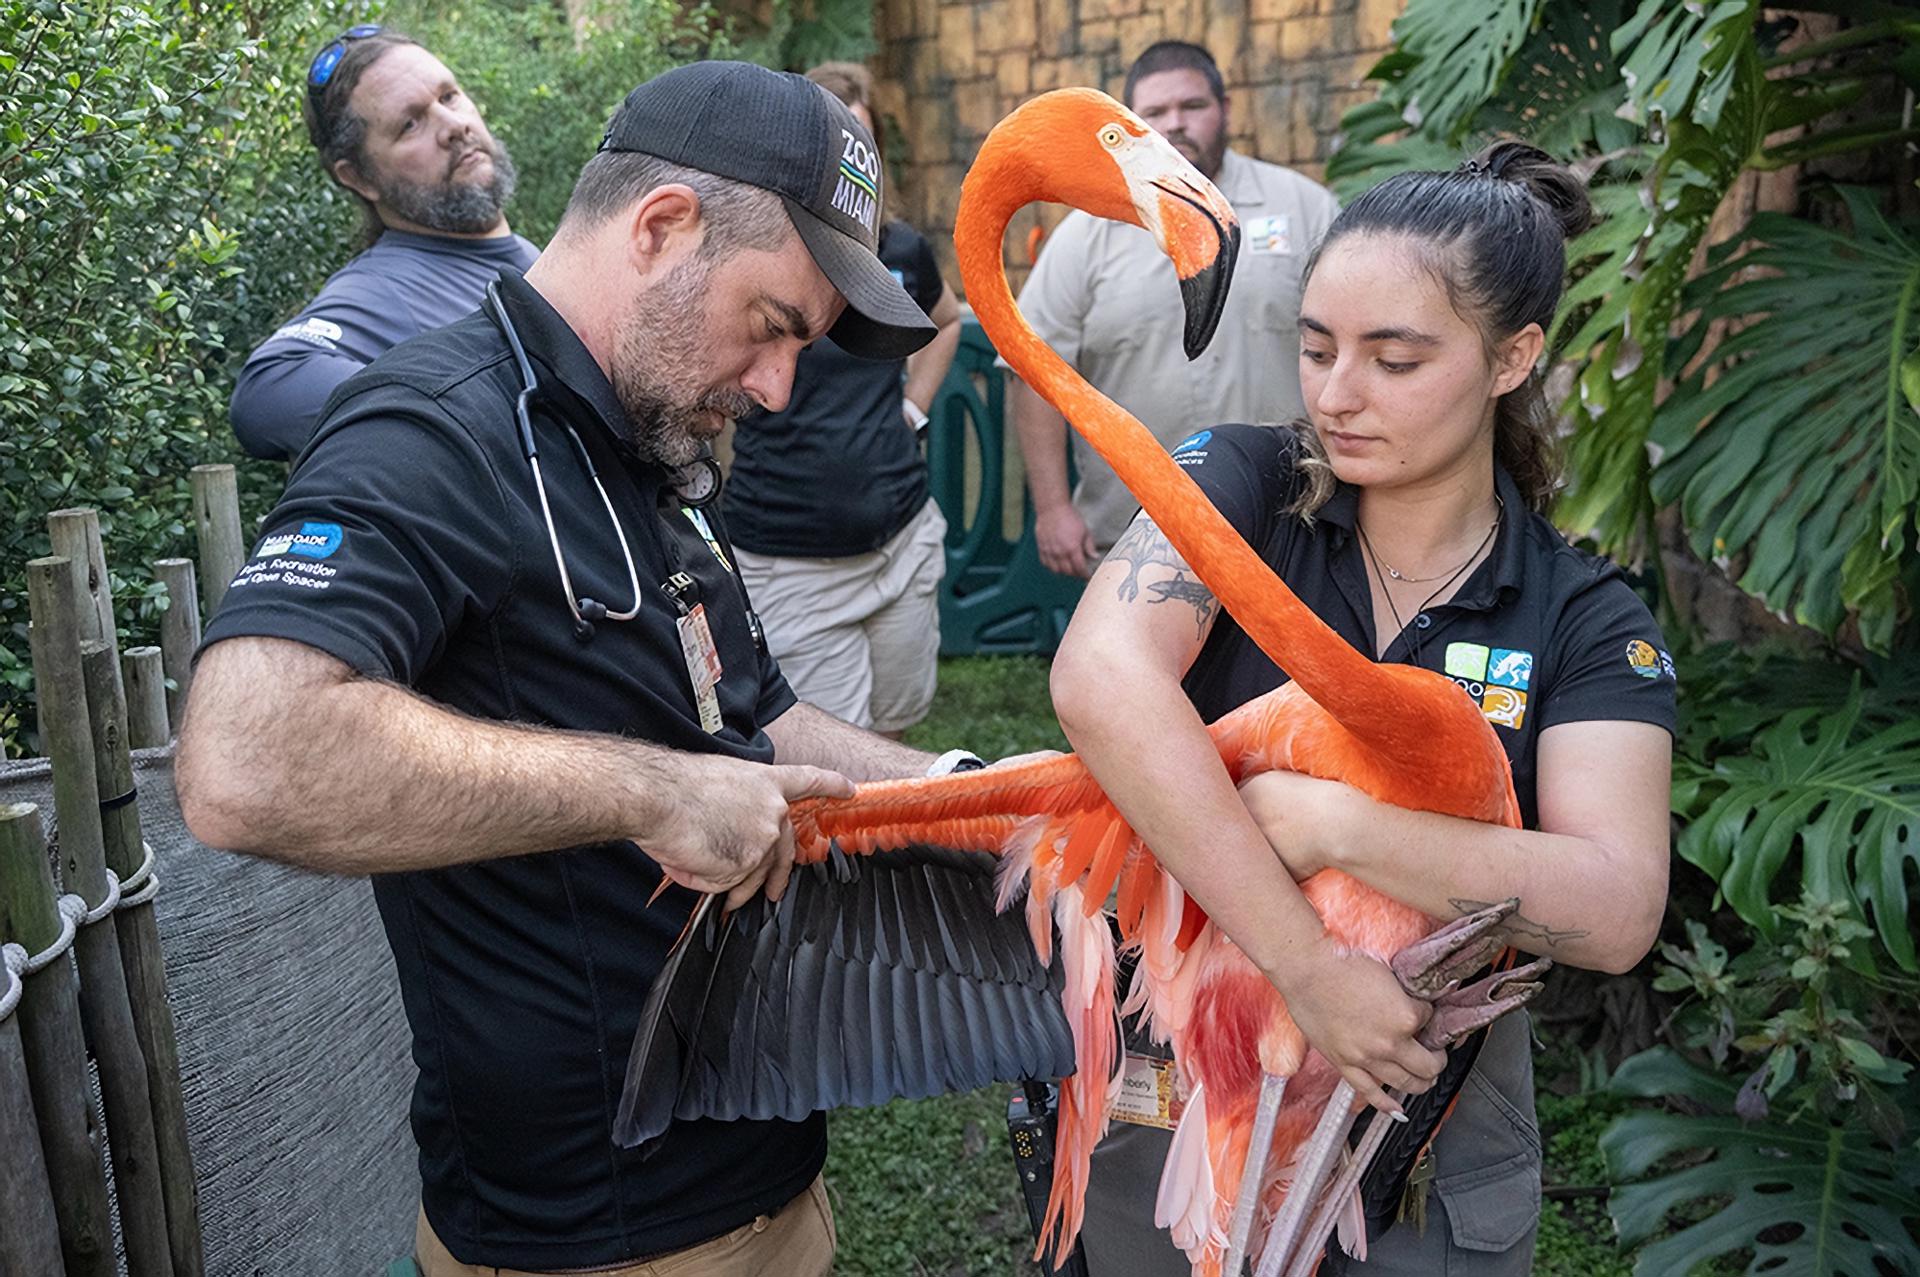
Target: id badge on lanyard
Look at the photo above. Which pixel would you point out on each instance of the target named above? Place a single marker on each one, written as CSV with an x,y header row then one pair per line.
x,y
697,649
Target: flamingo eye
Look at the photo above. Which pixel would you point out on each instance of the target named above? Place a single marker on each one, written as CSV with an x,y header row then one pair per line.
x,y
1111,137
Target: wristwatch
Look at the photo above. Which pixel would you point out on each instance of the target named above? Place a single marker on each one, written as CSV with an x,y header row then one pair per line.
x,y
911,411
956,760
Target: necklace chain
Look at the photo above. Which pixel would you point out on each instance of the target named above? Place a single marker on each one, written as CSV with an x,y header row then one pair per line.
x,y
1398,575
1378,566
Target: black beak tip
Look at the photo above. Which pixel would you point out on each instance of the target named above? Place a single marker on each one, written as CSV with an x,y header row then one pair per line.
x,y
1204,296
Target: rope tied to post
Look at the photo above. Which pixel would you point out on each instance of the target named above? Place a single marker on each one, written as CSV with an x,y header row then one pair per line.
x,y
19,963
142,885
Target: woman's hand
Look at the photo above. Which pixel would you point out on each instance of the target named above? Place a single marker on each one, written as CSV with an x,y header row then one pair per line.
x,y
1307,821
1353,1011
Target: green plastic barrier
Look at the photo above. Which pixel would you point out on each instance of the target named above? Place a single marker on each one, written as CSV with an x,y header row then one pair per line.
x,y
996,596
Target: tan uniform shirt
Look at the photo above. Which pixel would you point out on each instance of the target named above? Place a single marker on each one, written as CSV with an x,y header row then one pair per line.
x,y
1105,297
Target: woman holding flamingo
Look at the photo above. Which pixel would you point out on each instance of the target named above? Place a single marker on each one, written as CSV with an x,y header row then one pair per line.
x,y
1407,512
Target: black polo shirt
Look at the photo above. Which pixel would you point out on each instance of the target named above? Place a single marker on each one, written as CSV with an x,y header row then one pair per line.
x,y
837,472
1540,633
410,545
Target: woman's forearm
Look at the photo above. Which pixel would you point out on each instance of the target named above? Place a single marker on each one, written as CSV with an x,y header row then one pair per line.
x,y
1582,901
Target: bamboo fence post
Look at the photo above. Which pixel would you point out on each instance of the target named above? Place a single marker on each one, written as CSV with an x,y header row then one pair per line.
x,y
140,953
179,629
56,1049
104,1009
30,1243
143,674
216,514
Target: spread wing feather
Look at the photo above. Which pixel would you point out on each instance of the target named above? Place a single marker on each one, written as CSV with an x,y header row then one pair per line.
x,y
873,977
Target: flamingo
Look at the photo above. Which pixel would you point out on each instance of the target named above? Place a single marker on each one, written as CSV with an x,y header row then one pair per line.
x,y
1266,1115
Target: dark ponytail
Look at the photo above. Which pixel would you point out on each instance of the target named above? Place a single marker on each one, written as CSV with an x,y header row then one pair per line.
x,y
1495,232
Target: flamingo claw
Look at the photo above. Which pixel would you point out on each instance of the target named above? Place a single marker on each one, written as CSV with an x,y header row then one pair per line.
x,y
1433,966
1459,1011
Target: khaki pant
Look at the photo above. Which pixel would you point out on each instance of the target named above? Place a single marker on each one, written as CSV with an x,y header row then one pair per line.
x,y
858,636
796,1242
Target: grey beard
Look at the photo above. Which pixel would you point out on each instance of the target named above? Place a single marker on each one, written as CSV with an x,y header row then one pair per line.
x,y
457,208
664,335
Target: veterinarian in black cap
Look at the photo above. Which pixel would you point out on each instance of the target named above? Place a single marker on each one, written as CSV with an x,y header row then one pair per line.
x,y
492,651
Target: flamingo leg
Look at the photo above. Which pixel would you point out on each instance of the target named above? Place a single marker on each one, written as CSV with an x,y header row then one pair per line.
x,y
1456,1013
1316,1160
1273,1088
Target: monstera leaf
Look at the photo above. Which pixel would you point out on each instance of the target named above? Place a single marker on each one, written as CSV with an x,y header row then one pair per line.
x,y
1805,1196
1680,56
1563,90
1635,267
1792,445
1846,800
1448,60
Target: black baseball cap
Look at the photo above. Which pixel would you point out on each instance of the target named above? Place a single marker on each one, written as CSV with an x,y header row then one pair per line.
x,y
785,134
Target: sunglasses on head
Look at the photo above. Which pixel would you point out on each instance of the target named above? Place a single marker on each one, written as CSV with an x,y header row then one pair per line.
x,y
327,61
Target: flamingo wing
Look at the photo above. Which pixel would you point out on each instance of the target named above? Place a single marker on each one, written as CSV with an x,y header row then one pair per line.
x,y
874,977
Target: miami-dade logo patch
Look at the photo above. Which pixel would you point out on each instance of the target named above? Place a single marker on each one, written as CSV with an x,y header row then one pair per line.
x,y
312,541
1642,659
1496,677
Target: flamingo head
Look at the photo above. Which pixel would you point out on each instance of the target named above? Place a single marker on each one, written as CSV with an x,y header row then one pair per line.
x,y
1081,148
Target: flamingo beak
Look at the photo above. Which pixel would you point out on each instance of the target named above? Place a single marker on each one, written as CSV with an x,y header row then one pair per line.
x,y
1196,227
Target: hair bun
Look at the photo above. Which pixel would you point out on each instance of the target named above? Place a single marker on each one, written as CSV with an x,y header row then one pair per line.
x,y
1546,179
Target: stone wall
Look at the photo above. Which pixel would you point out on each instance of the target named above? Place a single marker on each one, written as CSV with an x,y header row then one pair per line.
x,y
950,69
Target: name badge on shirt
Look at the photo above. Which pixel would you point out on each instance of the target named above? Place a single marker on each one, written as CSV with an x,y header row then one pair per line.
x,y
703,665
1273,234
1147,1095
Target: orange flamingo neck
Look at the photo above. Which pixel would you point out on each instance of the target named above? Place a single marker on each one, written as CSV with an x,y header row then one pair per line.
x,y
1346,683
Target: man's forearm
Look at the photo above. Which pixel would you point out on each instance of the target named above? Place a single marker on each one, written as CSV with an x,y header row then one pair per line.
x,y
383,780
1042,432
808,734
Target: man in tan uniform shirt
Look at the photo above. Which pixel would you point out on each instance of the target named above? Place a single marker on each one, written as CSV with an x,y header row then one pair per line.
x,y
1105,297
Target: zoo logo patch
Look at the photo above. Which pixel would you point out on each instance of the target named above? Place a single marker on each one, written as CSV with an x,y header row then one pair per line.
x,y
1642,659
1496,678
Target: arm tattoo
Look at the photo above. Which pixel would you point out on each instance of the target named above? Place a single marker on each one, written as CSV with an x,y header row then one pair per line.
x,y
1518,924
1142,545
1187,590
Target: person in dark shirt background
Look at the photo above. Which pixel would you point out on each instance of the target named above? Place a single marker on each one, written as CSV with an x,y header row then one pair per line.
x,y
393,127
839,544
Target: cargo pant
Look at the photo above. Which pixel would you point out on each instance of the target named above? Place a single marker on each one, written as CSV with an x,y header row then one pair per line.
x,y
1482,1211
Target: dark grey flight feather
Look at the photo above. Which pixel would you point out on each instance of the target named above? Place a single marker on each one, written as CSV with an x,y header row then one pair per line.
x,y
873,978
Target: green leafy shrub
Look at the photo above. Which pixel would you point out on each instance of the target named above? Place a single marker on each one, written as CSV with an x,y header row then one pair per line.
x,y
155,218
161,212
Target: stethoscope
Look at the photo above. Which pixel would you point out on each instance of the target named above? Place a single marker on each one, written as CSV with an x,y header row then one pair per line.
x,y
696,484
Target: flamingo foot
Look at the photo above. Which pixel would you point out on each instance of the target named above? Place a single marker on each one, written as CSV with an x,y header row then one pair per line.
x,y
1456,1013
1430,969
1273,1088
1435,964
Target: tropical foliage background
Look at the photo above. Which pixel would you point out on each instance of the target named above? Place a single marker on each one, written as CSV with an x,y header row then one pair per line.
x,y
1738,371
1739,378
